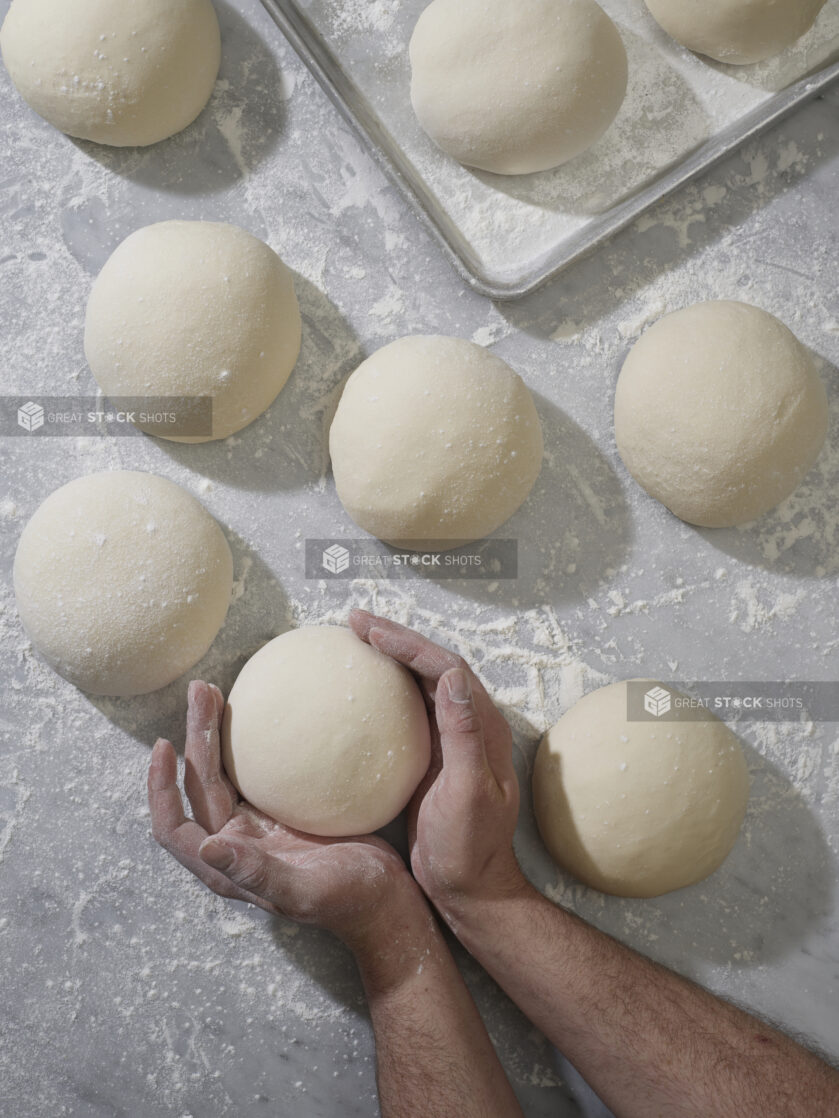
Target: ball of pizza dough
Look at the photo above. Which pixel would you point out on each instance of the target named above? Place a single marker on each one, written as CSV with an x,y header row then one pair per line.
x,y
122,581
435,443
516,87
113,71
638,809
325,734
736,31
194,309
719,413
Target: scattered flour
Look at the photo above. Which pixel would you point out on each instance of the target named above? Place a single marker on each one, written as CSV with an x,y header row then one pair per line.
x,y
112,941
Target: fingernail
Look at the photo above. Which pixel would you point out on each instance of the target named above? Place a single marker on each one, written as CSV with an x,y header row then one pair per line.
x,y
459,689
218,854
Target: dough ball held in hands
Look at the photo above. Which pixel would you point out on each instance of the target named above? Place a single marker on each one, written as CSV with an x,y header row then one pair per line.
x,y
238,852
719,413
736,31
195,309
516,87
120,72
641,808
122,581
435,443
325,734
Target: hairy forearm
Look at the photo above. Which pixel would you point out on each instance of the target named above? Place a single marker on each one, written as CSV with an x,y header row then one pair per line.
x,y
433,1053
652,1044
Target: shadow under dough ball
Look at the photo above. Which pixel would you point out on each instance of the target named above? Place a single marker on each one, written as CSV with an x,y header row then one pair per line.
x,y
122,581
719,413
190,310
518,87
638,808
325,733
127,73
435,443
736,31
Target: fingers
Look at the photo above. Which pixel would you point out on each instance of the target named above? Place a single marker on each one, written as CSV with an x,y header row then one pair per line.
x,y
430,662
245,863
416,652
181,836
423,657
217,695
461,727
165,805
211,795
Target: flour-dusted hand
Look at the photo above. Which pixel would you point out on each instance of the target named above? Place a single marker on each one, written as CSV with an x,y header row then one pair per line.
x,y
464,813
344,885
433,1052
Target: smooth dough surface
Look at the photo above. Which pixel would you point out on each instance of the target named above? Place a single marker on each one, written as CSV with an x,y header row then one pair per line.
x,y
435,443
638,809
195,308
719,413
516,87
325,734
736,31
120,72
122,581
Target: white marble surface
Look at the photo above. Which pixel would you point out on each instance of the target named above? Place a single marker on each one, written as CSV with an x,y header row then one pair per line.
x,y
127,989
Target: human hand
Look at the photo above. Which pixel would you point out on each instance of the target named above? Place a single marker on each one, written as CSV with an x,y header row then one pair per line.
x,y
463,815
349,886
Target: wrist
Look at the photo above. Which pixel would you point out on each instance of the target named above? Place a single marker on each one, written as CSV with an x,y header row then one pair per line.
x,y
456,902
473,913
402,951
379,937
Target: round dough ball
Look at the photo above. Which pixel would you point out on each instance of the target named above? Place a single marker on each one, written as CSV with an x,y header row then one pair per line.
x,y
638,809
325,734
122,581
516,87
121,72
719,413
736,31
435,443
195,308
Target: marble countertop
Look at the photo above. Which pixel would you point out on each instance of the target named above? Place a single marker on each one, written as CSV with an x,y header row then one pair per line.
x,y
127,988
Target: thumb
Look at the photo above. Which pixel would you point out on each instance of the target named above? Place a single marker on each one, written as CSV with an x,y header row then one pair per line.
x,y
242,860
460,725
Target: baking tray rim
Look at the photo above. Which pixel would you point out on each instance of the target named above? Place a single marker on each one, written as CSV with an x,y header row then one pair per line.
x,y
399,170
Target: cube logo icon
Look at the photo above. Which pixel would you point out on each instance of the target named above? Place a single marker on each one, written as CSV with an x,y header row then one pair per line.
x,y
30,417
336,559
657,702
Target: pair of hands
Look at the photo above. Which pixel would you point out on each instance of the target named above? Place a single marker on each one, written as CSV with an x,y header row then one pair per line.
x,y
460,821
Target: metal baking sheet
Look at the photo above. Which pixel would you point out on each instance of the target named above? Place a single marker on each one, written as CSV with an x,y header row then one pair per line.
x,y
507,235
